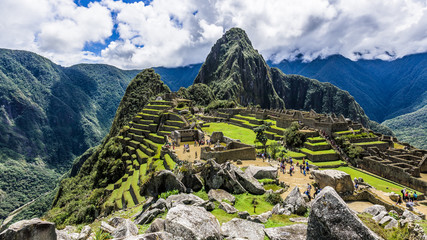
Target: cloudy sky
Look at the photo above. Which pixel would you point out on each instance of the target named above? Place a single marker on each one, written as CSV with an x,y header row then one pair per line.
x,y
139,34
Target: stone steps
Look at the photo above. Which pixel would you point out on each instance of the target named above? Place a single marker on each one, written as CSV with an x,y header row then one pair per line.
x,y
150,111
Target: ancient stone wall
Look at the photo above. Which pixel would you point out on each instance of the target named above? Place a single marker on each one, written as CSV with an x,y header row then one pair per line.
x,y
246,153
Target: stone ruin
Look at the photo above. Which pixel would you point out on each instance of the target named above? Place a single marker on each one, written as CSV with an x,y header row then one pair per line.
x,y
187,135
233,151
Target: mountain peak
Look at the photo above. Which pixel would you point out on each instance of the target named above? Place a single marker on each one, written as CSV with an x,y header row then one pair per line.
x,y
234,70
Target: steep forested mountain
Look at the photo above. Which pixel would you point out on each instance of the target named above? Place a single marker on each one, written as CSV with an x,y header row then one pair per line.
x,y
50,114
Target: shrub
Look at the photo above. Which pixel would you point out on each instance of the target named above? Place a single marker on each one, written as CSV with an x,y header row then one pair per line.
x,y
165,195
273,198
293,137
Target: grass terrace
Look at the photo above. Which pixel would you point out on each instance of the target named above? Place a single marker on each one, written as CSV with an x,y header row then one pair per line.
x,y
317,143
308,151
368,143
314,139
170,162
348,132
322,164
373,180
232,131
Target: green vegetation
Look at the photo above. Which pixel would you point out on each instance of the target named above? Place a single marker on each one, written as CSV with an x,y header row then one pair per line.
x,y
348,131
261,137
165,195
375,181
390,234
280,221
232,131
369,143
317,143
316,139
308,151
169,161
293,137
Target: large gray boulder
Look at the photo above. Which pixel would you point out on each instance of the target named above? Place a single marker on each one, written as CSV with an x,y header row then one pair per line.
x,y
183,198
239,228
68,233
157,225
85,233
248,182
295,203
261,172
330,218
216,176
162,181
339,180
123,228
34,229
220,195
375,210
153,236
292,232
192,223
148,216
227,208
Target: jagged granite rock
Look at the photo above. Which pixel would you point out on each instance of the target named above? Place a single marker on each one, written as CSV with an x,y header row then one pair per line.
x,y
34,229
68,233
85,233
158,225
416,232
246,180
408,217
123,228
330,218
261,172
107,227
375,210
394,196
192,223
227,208
292,232
261,218
148,216
216,176
299,219
162,181
239,228
160,204
380,216
295,202
154,236
191,180
243,215
389,222
208,205
183,198
339,180
236,71
219,195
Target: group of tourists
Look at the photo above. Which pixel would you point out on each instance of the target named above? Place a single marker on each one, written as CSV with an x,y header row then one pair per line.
x,y
407,196
304,166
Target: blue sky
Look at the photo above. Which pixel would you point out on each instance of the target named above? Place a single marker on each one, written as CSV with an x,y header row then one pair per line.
x,y
139,34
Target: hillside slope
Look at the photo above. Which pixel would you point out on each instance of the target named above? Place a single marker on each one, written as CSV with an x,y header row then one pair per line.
x,y
49,115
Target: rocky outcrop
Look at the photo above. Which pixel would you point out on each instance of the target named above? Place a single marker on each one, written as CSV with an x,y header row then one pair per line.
x,y
375,210
68,233
149,213
123,228
191,180
157,225
34,229
230,178
295,203
330,218
153,236
219,195
85,233
183,198
192,223
239,228
261,172
339,180
292,232
162,181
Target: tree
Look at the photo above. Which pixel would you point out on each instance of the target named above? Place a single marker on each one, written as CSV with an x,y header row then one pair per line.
x,y
260,134
274,149
293,137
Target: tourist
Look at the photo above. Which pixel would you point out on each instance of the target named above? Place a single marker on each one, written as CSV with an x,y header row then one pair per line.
x,y
403,191
415,196
303,161
356,186
304,172
406,196
308,195
195,152
308,187
291,169
316,191
399,200
307,169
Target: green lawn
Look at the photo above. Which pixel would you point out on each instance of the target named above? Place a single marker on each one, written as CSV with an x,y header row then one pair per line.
x,y
305,150
317,143
232,131
377,182
348,131
320,164
316,139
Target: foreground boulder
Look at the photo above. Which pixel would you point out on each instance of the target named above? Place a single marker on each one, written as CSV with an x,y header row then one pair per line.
x,y
239,228
338,180
191,222
375,210
246,180
262,172
330,218
34,229
123,227
183,198
162,181
295,203
292,232
220,195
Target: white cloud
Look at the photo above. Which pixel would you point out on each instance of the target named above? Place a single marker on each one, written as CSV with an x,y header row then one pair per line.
x,y
175,33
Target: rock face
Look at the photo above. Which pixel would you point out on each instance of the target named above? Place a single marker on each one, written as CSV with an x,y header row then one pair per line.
x,y
239,228
230,178
295,203
339,180
123,228
261,172
292,232
219,195
162,181
191,222
330,218
34,229
227,208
